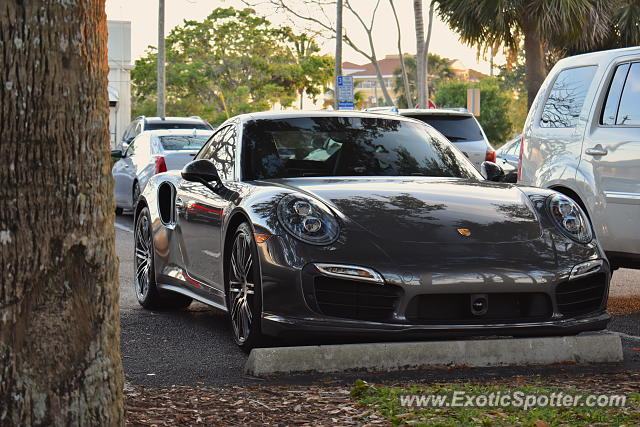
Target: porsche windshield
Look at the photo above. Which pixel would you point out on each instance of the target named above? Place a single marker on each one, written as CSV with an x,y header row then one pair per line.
x,y
347,146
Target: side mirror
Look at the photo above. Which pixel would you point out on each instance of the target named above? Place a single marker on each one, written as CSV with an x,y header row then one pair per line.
x,y
202,171
511,177
491,171
117,154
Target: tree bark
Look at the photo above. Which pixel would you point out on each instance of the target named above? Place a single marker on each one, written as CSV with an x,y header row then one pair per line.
x,y
420,65
425,54
534,59
59,323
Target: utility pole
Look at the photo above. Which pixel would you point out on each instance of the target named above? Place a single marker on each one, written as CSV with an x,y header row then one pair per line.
x,y
338,63
161,59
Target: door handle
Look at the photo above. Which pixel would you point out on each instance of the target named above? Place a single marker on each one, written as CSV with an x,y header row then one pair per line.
x,y
596,151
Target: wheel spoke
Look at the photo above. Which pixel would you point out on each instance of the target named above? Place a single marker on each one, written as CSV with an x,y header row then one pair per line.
x,y
142,254
234,267
144,245
235,306
239,258
235,287
247,265
250,288
142,265
247,310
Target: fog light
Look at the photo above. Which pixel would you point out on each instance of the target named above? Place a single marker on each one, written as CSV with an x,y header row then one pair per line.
x,y
586,268
350,272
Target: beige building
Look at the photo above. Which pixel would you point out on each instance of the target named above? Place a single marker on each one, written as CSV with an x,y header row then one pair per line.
x,y
366,81
119,51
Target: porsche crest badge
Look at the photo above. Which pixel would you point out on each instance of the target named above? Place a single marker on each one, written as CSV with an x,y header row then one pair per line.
x,y
464,232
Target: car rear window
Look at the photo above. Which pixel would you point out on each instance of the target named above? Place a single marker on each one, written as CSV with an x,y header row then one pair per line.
x,y
174,125
183,142
455,128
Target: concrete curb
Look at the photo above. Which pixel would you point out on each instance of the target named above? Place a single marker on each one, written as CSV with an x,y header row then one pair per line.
x,y
583,348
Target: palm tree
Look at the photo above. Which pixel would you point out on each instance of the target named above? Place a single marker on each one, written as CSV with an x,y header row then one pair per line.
x,y
439,69
550,23
624,30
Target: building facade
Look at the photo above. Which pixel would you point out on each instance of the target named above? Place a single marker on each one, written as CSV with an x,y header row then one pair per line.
x,y
119,48
366,81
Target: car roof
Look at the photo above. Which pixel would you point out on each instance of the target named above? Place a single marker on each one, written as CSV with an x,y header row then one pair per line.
x,y
319,113
173,119
165,132
433,111
600,57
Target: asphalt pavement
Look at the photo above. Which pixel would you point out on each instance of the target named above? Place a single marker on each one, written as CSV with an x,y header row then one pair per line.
x,y
195,346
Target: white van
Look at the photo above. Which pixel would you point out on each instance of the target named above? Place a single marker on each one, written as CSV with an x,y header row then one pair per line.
x,y
582,138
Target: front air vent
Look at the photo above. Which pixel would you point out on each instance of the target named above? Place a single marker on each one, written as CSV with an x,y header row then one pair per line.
x,y
500,308
356,300
581,296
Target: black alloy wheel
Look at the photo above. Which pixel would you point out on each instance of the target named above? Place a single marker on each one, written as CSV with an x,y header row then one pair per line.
x,y
244,298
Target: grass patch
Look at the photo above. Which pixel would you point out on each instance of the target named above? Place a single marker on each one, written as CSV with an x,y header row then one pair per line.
x,y
386,402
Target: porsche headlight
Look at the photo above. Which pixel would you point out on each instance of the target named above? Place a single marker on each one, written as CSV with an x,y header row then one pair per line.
x,y
308,220
569,218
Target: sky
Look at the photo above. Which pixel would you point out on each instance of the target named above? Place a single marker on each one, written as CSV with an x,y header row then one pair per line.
x,y
144,27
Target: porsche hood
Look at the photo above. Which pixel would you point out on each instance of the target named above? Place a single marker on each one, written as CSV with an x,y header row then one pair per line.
x,y
427,210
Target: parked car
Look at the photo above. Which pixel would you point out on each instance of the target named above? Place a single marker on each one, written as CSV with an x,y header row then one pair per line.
x,y
141,124
509,153
582,138
351,223
508,157
150,153
458,125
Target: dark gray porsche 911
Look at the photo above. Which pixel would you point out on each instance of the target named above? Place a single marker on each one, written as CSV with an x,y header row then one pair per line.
x,y
357,225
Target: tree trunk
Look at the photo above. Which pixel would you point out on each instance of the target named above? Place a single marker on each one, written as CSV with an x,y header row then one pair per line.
x,y
403,69
425,54
420,46
59,323
534,59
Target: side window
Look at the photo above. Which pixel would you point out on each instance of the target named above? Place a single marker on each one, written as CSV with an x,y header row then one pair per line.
x,y
610,111
128,132
138,128
221,150
628,113
566,97
132,148
514,149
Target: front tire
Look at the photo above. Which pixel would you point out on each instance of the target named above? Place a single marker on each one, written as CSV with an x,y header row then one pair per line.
x,y
145,279
244,290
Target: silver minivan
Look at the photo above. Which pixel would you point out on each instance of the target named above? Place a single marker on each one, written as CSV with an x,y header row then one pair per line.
x,y
582,138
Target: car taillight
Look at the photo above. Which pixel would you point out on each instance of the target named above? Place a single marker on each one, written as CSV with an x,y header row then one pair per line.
x,y
161,166
490,156
520,159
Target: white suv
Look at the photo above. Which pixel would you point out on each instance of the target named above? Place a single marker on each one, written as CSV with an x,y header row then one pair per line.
x,y
582,138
